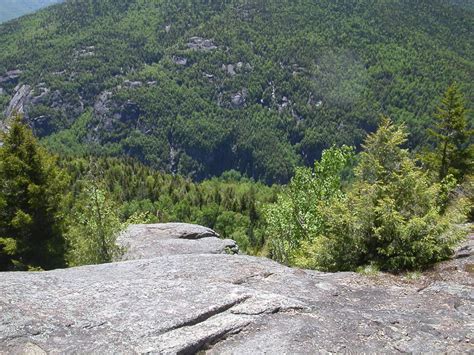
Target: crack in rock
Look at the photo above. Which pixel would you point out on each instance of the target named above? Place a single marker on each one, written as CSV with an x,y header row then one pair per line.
x,y
214,311
246,279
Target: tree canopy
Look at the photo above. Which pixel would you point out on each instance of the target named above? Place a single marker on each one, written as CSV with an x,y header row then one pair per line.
x,y
201,87
32,187
392,217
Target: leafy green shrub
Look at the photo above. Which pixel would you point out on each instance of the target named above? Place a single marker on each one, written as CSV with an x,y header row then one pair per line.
x,y
94,226
392,218
296,220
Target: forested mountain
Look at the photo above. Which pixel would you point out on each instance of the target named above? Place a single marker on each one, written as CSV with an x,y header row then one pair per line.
x,y
201,87
10,9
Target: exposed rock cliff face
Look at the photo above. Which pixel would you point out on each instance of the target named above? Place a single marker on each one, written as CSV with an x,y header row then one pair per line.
x,y
42,108
230,304
17,104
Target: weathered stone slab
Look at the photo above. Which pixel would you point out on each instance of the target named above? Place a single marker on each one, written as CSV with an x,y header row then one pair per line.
x,y
152,240
232,304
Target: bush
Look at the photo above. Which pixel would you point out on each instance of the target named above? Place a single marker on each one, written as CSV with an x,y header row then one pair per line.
x,y
296,220
93,228
393,217
399,212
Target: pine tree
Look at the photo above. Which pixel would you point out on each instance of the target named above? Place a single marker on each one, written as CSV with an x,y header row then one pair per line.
x,y
399,223
32,187
454,153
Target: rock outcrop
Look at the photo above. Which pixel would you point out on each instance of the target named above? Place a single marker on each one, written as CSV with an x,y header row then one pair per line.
x,y
148,241
11,76
19,100
26,97
218,303
111,113
201,44
238,99
180,60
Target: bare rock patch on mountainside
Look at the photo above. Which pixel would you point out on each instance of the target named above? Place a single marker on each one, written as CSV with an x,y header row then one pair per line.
x,y
172,301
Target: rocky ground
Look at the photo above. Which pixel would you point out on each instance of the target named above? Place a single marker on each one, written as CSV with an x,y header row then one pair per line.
x,y
219,303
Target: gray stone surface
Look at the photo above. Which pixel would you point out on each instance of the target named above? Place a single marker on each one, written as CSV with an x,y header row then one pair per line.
x,y
110,113
180,60
17,103
147,241
233,304
10,76
132,84
201,44
238,99
25,97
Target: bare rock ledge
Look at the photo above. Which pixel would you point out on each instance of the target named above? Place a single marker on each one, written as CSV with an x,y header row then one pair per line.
x,y
183,303
143,241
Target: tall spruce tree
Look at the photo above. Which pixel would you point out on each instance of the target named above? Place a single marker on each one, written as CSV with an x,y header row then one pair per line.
x,y
31,190
454,151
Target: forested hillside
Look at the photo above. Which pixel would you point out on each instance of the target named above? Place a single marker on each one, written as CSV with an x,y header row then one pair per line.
x,y
10,9
201,87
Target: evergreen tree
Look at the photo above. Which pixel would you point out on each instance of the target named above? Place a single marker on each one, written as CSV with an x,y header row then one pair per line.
x,y
454,153
400,222
32,187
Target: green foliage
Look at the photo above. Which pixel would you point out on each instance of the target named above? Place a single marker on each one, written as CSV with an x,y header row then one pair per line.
x,y
392,217
232,205
296,218
398,209
8,250
454,152
31,190
304,76
469,188
313,73
94,225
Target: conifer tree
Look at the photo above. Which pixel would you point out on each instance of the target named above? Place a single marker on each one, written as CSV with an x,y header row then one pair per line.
x,y
31,190
454,153
397,206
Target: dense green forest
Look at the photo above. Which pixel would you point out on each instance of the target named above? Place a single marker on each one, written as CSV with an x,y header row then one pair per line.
x,y
385,208
201,87
47,203
10,9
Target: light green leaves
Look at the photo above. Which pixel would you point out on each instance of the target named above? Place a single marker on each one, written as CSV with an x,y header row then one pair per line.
x,y
297,215
392,217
